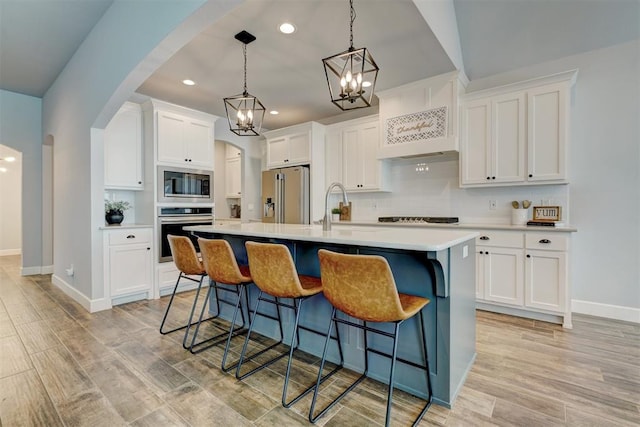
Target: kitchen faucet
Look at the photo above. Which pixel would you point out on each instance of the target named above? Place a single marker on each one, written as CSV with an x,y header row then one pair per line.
x,y
326,222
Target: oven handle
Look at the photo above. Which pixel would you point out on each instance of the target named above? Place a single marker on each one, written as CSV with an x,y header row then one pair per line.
x,y
173,219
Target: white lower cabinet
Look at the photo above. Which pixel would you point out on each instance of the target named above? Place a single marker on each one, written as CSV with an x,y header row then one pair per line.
x,y
524,271
128,263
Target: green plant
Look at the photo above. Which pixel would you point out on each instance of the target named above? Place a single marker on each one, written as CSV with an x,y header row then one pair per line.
x,y
335,211
115,206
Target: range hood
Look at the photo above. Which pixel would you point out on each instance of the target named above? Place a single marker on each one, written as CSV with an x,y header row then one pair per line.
x,y
420,118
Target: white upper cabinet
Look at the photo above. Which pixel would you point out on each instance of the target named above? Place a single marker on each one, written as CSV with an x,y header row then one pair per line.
x,y
289,150
548,116
517,134
351,155
184,141
123,149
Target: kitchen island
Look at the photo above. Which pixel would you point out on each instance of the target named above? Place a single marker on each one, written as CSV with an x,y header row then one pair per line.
x,y
435,264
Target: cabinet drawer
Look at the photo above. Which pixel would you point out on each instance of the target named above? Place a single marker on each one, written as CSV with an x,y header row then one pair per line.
x,y
129,237
505,239
547,241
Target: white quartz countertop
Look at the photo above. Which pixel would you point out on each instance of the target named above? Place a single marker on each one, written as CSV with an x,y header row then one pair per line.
x,y
393,238
125,226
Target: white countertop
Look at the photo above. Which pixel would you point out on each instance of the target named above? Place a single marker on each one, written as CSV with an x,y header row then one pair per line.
x,y
458,226
380,237
124,226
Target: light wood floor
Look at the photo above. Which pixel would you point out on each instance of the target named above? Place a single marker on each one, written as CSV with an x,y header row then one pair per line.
x,y
60,365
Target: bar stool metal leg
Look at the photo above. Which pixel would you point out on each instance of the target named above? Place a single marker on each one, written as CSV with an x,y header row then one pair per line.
x,y
173,294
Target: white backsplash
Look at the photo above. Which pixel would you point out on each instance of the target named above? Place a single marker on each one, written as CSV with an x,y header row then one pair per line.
x,y
428,186
127,196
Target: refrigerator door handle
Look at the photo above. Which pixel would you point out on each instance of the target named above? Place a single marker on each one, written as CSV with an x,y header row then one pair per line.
x,y
279,184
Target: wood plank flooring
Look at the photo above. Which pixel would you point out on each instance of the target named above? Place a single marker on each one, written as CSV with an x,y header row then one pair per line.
x,y
62,366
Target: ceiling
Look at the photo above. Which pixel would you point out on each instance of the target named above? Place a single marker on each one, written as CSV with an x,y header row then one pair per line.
x,y
37,38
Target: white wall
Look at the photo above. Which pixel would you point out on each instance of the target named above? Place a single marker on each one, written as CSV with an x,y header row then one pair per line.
x,y
10,202
603,198
129,42
20,129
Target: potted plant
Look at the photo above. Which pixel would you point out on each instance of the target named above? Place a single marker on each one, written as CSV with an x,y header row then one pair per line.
x,y
335,214
114,210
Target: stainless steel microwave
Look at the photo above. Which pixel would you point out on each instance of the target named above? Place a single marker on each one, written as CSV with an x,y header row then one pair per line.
x,y
184,185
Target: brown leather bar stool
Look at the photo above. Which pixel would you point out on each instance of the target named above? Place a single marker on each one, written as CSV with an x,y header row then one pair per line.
x,y
275,274
186,260
224,275
363,287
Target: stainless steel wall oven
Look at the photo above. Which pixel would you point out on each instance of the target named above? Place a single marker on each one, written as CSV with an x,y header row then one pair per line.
x,y
171,220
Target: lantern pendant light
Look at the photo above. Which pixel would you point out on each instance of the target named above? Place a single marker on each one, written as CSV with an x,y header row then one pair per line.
x,y
245,112
351,75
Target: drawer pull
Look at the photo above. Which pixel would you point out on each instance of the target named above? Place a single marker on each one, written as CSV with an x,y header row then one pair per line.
x,y
528,256
131,236
544,241
484,237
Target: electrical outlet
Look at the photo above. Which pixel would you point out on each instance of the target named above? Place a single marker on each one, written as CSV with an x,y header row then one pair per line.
x,y
492,205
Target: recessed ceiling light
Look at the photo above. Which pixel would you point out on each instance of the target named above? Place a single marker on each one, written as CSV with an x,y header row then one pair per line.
x,y
366,84
3,169
189,82
287,28
8,159
274,112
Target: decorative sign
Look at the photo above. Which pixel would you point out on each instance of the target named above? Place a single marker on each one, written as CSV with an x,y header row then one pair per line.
x,y
416,127
546,213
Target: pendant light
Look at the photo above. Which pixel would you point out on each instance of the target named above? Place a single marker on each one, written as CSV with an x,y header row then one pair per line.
x,y
351,75
245,112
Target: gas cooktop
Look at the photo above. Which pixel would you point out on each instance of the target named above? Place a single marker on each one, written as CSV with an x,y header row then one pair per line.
x,y
420,219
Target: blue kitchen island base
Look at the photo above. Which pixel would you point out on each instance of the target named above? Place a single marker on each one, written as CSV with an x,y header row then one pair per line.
x,y
445,276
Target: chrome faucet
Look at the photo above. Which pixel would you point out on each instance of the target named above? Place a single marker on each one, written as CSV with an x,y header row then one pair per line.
x,y
326,222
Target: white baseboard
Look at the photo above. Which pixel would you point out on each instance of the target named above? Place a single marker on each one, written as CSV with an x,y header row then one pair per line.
x,y
31,271
617,312
6,252
90,305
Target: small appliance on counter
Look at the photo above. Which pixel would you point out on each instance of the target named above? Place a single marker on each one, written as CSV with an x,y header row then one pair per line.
x,y
234,211
420,219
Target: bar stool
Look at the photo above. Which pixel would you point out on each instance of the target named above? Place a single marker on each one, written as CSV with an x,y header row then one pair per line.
x,y
363,287
186,260
275,274
225,275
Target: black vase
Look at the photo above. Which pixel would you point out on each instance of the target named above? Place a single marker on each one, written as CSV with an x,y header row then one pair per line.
x,y
114,217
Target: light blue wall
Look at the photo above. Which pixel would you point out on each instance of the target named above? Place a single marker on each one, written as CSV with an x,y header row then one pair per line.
x,y
21,129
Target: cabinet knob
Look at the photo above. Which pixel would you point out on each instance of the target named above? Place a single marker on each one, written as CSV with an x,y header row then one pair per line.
x,y
493,177
488,177
528,256
139,182
484,237
544,241
530,175
148,249
189,159
131,236
481,252
186,160
486,253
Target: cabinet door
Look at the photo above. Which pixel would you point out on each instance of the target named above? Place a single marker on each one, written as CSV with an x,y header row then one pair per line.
x,y
299,148
198,140
233,178
475,150
277,152
333,156
123,150
129,269
546,280
351,159
504,276
369,136
171,139
232,152
507,137
547,132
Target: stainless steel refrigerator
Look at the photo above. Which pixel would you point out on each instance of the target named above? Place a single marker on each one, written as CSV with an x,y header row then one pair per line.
x,y
285,195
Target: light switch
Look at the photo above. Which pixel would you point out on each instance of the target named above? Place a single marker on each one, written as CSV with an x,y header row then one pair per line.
x,y
465,251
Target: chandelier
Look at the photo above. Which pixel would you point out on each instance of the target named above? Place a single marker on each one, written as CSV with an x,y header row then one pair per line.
x,y
245,112
351,75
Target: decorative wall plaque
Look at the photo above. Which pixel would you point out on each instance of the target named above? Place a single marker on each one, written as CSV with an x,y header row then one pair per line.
x,y
416,127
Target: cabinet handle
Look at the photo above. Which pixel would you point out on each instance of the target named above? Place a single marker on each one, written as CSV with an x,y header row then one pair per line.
x,y
189,159
484,237
486,253
131,236
530,175
481,252
139,182
148,249
544,241
493,177
186,160
528,256
488,177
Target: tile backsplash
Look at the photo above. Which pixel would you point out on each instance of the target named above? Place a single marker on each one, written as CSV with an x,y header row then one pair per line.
x,y
428,186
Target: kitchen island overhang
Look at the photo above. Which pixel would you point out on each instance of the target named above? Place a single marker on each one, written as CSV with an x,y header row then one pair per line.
x,y
435,264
